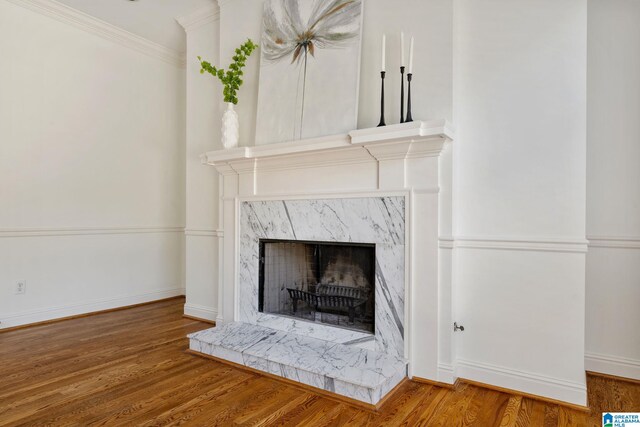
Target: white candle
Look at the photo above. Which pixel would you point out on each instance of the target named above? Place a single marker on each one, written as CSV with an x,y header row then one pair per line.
x,y
402,49
411,56
384,52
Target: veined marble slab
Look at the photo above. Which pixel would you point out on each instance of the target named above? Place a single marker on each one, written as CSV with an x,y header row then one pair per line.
x,y
377,220
353,372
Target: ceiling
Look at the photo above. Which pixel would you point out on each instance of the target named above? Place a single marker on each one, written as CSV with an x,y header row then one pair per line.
x,y
151,19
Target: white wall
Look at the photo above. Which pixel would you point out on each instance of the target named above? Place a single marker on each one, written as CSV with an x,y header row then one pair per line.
x,y
613,188
91,169
203,134
520,114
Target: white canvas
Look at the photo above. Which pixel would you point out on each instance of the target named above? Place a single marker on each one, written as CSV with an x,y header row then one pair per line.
x,y
294,104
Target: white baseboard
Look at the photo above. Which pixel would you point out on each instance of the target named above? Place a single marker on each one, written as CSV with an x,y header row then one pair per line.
x,y
201,311
446,373
553,388
612,365
41,315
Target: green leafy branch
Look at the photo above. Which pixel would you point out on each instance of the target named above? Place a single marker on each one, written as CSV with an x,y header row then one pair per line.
x,y
231,78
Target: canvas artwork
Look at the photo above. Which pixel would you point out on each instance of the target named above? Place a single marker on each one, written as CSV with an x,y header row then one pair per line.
x,y
309,69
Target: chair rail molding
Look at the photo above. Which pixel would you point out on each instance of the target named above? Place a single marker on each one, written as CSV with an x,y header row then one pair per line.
x,y
70,231
203,232
521,243
618,242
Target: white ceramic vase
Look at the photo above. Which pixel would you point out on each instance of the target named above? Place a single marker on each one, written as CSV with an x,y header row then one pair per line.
x,y
230,127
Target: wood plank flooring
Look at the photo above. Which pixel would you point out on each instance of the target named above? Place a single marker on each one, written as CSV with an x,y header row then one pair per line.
x,y
130,368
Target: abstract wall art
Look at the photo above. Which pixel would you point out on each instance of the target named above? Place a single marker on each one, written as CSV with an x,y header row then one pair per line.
x,y
309,70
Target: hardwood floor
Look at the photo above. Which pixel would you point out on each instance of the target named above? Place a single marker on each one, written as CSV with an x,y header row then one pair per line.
x,y
129,368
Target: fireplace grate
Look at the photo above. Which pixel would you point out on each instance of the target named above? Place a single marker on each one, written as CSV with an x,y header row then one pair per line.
x,y
323,282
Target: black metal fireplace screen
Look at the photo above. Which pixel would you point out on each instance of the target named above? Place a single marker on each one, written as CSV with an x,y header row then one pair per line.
x,y
325,282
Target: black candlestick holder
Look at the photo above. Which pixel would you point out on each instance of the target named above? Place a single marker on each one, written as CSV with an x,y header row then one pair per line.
x,y
382,123
402,94
409,118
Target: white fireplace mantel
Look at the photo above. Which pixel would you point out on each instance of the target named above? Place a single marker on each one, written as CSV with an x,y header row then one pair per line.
x,y
417,138
409,160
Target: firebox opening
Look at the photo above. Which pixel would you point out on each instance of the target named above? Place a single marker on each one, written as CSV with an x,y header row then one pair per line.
x,y
324,282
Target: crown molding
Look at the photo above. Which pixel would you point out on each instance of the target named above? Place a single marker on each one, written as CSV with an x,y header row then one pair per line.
x,y
198,18
95,26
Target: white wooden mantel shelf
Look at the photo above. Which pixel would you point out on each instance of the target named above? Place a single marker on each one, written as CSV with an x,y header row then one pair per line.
x,y
404,140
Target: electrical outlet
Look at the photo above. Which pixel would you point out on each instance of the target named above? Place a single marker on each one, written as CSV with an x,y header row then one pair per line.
x,y
21,287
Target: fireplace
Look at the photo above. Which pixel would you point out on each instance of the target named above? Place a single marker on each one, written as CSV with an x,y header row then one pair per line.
x,y
377,186
340,260
324,282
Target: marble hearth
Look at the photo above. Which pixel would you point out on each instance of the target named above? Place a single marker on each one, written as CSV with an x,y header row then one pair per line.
x,y
374,187
352,372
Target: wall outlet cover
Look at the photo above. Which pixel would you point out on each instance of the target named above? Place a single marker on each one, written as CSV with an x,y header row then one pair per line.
x,y
21,287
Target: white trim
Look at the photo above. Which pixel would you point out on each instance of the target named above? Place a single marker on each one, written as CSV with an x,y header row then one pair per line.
x,y
72,231
236,255
408,277
612,365
200,17
92,25
348,156
446,373
203,232
41,315
618,242
399,141
522,243
201,311
446,242
432,190
324,195
408,131
539,385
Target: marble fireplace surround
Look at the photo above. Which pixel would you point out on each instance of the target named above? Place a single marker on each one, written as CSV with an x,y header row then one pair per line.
x,y
407,166
379,220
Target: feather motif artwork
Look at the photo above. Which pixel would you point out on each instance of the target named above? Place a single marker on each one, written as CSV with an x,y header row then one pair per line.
x,y
310,55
